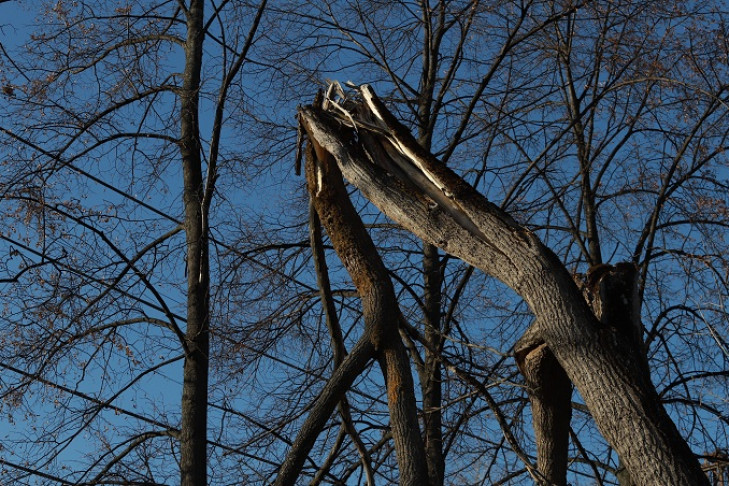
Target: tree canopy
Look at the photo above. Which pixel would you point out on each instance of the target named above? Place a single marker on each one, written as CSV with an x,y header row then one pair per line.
x,y
211,274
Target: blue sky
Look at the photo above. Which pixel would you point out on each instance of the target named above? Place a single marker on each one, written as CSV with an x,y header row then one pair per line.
x,y
274,194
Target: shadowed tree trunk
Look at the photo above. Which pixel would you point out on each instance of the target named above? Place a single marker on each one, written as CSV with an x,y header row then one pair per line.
x,y
353,365
193,434
432,374
550,394
408,184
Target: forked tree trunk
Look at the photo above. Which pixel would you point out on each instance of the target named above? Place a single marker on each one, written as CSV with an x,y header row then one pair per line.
x,y
379,306
612,294
409,185
381,338
336,335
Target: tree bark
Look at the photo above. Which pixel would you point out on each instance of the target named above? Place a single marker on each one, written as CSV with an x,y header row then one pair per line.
x,y
413,188
380,310
550,395
342,378
193,434
431,380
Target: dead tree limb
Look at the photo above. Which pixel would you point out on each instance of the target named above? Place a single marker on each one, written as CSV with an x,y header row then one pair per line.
x,y
381,312
381,158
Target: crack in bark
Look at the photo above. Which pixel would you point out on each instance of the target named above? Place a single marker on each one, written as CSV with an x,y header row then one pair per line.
x,y
596,364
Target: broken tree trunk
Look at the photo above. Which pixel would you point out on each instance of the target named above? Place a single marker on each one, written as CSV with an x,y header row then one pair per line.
x,y
381,339
550,395
381,158
379,306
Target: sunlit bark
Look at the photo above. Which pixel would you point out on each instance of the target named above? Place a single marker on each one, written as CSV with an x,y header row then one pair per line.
x,y
411,187
381,315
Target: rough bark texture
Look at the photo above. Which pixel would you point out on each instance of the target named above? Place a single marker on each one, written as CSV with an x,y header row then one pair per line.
x,y
409,447
623,476
379,307
342,378
612,293
439,207
193,435
550,395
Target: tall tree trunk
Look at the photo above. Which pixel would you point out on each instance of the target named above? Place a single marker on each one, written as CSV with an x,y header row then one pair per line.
x,y
193,435
414,189
431,380
431,374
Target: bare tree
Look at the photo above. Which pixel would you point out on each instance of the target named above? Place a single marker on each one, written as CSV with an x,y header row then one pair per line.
x,y
565,119
154,228
604,366
96,266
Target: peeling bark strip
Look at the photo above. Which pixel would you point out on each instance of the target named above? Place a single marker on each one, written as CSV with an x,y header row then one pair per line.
x,y
382,159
